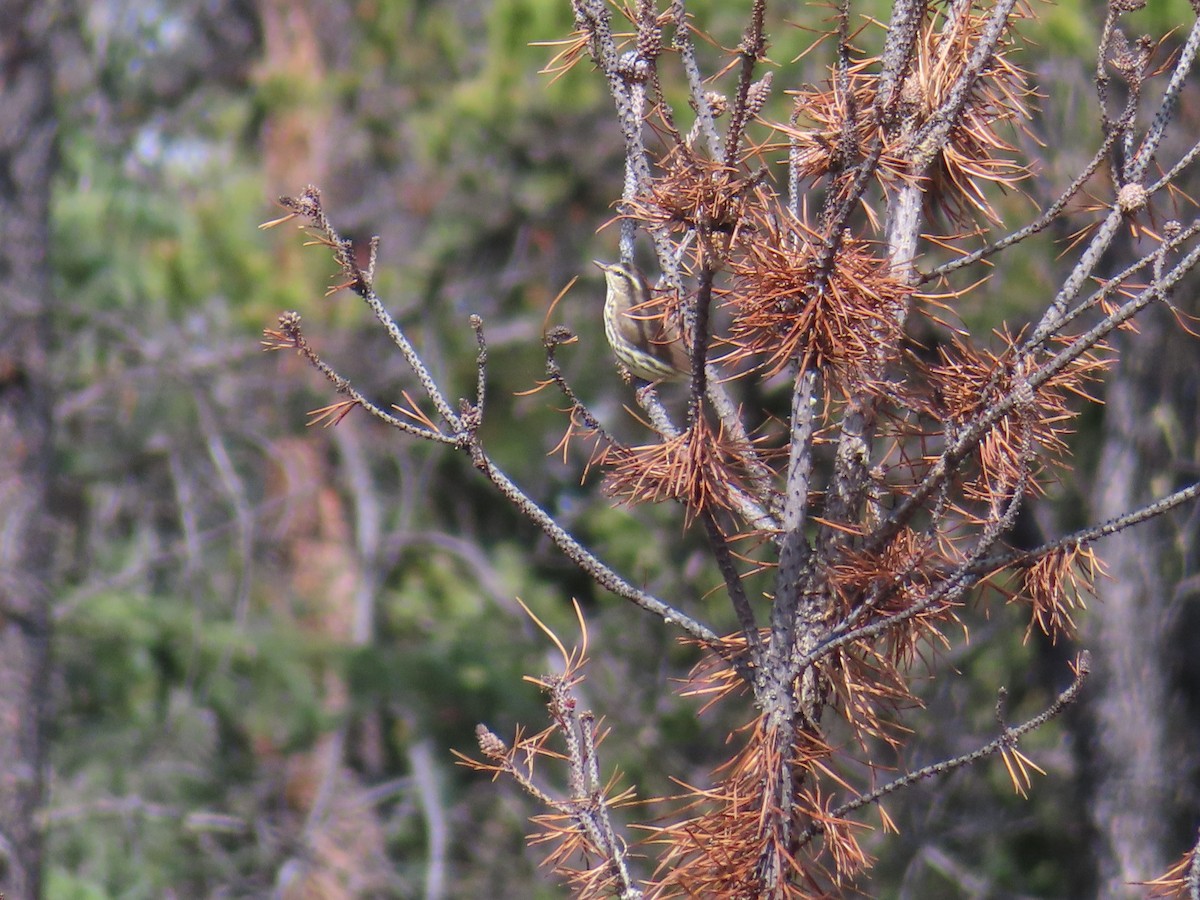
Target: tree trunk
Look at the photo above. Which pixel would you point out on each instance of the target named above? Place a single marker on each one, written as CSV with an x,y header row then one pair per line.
x,y
27,142
1138,754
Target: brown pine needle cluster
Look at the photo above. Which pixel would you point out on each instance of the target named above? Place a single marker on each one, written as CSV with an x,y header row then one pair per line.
x,y
969,380
973,155
1057,586
697,194
786,308
712,678
573,834
698,467
868,689
889,581
583,846
727,848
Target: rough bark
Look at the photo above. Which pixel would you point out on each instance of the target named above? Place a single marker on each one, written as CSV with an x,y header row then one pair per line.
x,y
1138,757
27,142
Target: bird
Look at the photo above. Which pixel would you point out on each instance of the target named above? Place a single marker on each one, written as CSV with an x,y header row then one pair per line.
x,y
647,344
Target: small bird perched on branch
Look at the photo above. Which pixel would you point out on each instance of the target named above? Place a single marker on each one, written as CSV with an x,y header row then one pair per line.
x,y
647,343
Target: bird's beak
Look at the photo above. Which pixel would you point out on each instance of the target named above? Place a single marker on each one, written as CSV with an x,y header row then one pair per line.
x,y
602,266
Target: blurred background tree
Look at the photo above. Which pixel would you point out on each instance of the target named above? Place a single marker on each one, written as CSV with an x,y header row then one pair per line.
x,y
267,638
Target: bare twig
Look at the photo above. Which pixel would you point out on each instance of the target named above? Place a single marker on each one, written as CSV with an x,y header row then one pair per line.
x,y
1006,741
